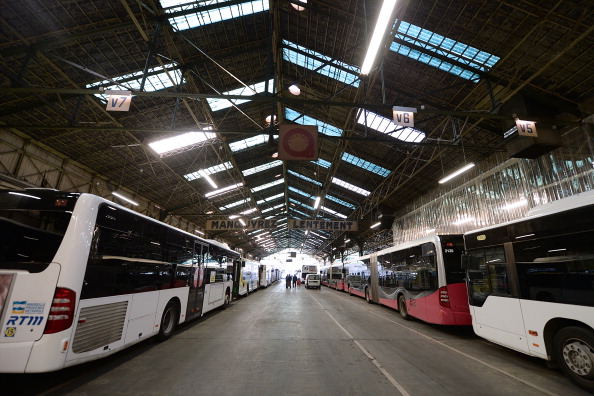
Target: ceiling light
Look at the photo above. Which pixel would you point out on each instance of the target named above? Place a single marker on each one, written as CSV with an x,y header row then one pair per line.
x,y
223,190
242,222
376,224
120,196
456,173
298,7
317,202
294,89
208,179
381,26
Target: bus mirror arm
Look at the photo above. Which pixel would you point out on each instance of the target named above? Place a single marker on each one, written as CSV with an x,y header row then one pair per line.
x,y
470,262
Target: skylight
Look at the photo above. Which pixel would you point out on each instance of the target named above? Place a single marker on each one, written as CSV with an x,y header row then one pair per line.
x,y
247,143
261,168
300,212
220,104
333,212
322,163
301,204
317,183
234,204
301,192
326,129
340,201
271,198
273,208
387,126
268,185
158,78
473,58
209,171
350,186
206,14
312,60
178,142
361,163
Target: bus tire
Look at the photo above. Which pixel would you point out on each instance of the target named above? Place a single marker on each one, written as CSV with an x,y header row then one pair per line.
x,y
574,352
367,298
402,308
168,321
227,300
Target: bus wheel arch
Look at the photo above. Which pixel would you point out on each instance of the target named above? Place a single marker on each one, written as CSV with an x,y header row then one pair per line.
x,y
573,349
169,319
227,297
402,307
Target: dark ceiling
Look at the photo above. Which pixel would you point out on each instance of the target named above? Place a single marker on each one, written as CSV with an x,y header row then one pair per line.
x,y
52,50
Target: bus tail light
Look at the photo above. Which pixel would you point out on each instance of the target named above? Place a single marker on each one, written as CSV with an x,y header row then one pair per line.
x,y
61,312
444,297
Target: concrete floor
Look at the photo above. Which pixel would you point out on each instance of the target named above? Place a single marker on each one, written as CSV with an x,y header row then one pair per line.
x,y
282,341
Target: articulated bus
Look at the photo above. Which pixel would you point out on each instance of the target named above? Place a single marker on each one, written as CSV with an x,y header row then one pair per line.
x,y
82,277
331,275
421,279
531,285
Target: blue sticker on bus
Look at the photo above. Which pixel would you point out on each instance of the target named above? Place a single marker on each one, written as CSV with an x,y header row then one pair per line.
x,y
18,307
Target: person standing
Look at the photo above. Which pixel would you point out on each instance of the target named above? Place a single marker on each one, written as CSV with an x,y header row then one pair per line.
x,y
288,279
295,280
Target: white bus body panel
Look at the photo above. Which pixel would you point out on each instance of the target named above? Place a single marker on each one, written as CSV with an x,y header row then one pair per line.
x,y
25,315
500,320
214,295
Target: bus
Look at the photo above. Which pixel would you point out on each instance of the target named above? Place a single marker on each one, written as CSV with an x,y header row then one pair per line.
x,y
331,275
82,278
248,277
531,285
422,279
308,269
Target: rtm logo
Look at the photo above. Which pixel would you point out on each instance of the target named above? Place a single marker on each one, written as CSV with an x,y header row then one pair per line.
x,y
30,320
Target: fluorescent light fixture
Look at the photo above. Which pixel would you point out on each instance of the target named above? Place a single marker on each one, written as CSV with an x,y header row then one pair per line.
x,y
233,217
223,190
246,212
350,186
383,22
317,202
376,224
208,179
242,222
177,142
456,173
120,196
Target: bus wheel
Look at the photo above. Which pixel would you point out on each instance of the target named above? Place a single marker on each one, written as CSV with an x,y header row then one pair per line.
x,y
574,352
402,308
168,321
367,296
227,300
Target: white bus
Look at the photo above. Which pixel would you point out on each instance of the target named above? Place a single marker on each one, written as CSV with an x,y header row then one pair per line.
x,y
531,285
308,269
82,277
248,278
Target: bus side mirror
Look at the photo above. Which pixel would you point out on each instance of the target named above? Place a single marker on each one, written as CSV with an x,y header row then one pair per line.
x,y
470,262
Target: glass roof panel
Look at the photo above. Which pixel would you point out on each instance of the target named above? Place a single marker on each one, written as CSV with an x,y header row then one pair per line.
x,y
326,129
350,186
209,171
234,204
312,60
387,126
317,183
361,163
249,142
323,163
261,168
268,185
220,104
473,58
210,15
184,140
340,201
325,209
271,198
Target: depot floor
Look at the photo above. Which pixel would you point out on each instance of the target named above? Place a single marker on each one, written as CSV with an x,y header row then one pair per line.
x,y
280,341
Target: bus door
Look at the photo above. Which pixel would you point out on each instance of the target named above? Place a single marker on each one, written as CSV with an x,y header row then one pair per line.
x,y
495,309
196,296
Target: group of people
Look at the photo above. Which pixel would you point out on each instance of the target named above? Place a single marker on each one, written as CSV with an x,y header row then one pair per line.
x,y
292,280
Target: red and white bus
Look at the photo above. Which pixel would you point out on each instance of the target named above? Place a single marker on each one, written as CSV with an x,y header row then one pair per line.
x,y
421,279
331,275
531,285
82,277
